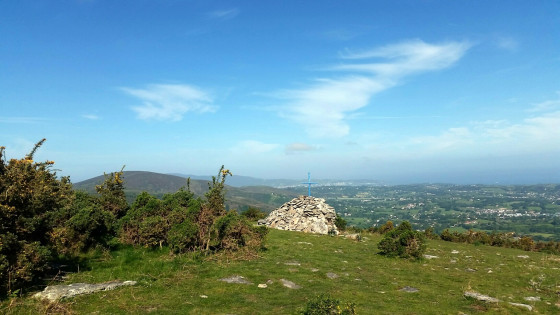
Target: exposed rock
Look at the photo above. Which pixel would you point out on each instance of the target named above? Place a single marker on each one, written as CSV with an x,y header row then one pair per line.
x,y
355,236
523,256
262,285
236,279
454,251
409,289
470,270
289,284
525,306
304,213
292,263
56,292
203,296
430,257
332,275
480,297
532,298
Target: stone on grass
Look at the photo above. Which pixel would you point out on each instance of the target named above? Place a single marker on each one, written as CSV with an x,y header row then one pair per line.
x,y
532,298
523,256
409,289
289,284
454,251
525,306
262,285
480,297
430,257
57,292
236,279
332,275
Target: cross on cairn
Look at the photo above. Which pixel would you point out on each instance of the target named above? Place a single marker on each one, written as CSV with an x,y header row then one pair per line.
x,y
309,183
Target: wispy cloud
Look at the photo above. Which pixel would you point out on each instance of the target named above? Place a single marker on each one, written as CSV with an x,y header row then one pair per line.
x,y
507,43
299,147
224,14
546,105
324,106
170,101
493,137
91,117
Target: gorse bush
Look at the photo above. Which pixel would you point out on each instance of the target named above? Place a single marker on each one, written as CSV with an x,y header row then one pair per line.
x,y
403,242
83,225
185,223
30,195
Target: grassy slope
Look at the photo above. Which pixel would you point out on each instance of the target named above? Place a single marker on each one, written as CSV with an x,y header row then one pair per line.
x,y
174,284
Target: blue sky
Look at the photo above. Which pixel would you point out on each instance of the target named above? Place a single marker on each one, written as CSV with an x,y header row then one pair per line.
x,y
398,91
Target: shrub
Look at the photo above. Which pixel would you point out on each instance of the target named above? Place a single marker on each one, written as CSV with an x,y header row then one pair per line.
x,y
150,219
111,194
82,226
186,223
403,242
385,228
326,305
253,214
30,193
340,223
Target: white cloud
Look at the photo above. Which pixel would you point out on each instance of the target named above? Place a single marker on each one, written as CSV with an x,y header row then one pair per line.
x,y
170,101
299,147
532,135
324,107
224,14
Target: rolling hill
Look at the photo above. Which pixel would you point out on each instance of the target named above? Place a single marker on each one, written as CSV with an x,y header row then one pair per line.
x,y
263,197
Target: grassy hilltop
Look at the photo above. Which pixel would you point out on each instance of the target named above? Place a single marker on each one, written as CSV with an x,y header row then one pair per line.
x,y
189,284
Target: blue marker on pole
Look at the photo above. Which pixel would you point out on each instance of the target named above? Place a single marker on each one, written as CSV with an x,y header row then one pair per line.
x,y
309,183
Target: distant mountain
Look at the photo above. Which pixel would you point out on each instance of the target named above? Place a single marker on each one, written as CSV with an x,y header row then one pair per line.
x,y
135,182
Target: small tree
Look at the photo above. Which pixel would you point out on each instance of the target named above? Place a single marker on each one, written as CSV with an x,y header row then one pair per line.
x,y
403,242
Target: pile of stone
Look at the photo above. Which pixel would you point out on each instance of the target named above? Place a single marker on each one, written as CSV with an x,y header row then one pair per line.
x,y
304,213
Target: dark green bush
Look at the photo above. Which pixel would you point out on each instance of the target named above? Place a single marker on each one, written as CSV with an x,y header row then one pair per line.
x,y
403,242
82,226
326,305
340,223
253,214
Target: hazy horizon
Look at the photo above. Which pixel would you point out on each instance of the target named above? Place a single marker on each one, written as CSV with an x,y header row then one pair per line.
x,y
400,92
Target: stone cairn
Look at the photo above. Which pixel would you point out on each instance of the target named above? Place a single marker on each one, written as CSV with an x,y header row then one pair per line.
x,y
304,213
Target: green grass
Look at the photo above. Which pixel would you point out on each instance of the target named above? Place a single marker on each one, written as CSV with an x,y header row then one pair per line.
x,y
169,284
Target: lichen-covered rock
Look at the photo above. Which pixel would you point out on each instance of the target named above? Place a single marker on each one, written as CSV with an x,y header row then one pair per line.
x,y
306,214
57,292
